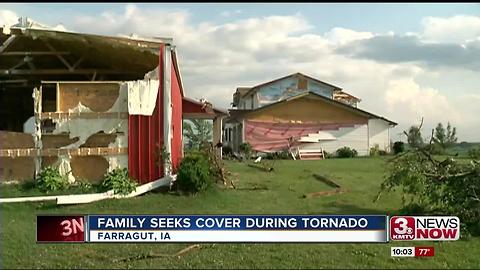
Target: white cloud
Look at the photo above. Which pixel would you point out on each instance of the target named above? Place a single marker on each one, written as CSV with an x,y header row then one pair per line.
x,y
151,22
8,17
342,36
410,102
456,29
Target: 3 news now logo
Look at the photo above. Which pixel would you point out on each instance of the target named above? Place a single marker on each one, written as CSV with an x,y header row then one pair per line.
x,y
424,228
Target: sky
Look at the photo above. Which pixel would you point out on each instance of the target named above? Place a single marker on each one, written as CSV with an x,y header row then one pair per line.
x,y
405,61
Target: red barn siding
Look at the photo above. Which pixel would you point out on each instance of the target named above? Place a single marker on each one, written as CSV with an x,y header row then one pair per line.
x,y
177,111
190,107
145,138
145,133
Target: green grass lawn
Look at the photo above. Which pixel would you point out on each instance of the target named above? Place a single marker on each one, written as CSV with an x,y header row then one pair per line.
x,y
286,186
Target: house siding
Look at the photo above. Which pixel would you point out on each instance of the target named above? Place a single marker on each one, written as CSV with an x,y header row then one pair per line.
x,y
354,137
378,133
308,109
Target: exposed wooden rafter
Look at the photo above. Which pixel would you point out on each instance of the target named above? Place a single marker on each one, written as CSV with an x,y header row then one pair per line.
x,y
62,71
59,56
32,53
7,43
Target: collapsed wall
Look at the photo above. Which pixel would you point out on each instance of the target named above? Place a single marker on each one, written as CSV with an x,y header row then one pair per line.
x,y
83,131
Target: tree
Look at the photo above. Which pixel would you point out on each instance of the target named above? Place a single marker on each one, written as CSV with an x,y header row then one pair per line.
x,y
445,138
435,185
414,137
197,132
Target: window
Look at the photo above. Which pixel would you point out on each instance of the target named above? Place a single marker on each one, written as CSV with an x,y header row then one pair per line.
x,y
302,83
228,134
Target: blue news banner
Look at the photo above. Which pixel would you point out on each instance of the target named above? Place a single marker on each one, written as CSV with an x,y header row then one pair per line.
x,y
236,228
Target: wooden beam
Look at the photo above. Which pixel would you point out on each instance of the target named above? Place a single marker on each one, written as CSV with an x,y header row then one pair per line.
x,y
32,53
53,152
31,65
65,62
198,116
14,81
75,65
19,64
84,115
79,82
7,43
62,71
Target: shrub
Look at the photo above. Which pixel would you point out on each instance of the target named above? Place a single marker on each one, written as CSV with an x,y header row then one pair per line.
x,y
328,154
50,179
119,181
474,153
83,185
398,147
245,149
194,174
278,155
346,152
375,151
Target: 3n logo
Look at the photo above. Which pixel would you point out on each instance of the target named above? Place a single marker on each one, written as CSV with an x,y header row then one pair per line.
x,y
402,228
72,226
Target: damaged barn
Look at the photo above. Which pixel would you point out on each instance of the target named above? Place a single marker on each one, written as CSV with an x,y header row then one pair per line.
x,y
99,103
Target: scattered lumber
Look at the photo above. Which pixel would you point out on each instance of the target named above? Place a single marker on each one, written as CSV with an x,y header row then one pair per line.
x,y
324,193
254,187
261,167
326,180
330,182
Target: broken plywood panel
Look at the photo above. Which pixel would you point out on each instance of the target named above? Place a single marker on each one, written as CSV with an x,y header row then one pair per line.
x,y
100,139
92,168
57,140
84,128
91,121
98,97
20,168
85,151
15,140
